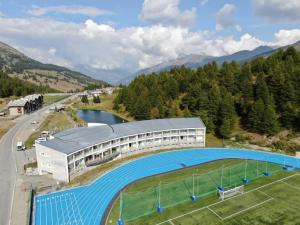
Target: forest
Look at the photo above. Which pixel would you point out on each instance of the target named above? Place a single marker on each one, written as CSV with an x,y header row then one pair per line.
x,y
262,95
15,87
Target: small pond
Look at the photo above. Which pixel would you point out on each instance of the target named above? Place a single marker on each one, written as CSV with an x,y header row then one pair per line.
x,y
96,116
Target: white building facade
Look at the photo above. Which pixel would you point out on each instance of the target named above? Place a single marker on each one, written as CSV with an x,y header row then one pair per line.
x,y
25,105
72,151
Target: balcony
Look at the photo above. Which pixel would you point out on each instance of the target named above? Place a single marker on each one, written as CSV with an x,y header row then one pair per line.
x,y
101,160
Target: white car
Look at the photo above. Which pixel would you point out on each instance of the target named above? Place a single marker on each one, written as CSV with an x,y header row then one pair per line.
x,y
34,122
20,146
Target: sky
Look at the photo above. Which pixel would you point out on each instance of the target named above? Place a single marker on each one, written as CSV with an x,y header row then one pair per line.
x,y
111,39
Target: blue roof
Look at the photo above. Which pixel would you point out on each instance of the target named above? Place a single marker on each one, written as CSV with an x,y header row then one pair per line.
x,y
72,140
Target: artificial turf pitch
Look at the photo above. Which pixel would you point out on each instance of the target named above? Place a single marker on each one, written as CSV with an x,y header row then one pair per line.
x,y
268,200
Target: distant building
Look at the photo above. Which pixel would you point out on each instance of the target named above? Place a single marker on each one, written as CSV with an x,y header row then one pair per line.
x,y
95,93
98,92
25,105
108,90
71,151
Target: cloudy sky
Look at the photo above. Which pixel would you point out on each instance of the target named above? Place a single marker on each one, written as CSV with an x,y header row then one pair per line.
x,y
113,38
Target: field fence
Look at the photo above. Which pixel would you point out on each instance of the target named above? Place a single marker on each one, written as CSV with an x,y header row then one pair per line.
x,y
164,195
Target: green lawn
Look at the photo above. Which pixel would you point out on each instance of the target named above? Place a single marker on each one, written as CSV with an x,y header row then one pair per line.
x,y
52,99
265,201
55,121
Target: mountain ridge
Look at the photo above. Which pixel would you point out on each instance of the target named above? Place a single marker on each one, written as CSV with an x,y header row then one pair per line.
x,y
17,64
199,60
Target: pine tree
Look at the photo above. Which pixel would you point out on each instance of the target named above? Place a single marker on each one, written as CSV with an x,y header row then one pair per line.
x,y
226,116
244,83
225,128
270,124
256,116
186,112
154,113
96,99
288,115
261,89
84,99
227,76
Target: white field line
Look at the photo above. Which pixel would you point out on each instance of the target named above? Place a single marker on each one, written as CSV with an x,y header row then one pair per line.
x,y
196,210
170,221
251,207
290,185
258,204
220,217
262,192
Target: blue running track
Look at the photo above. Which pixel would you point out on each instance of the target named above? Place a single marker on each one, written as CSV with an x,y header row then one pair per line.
x,y
86,205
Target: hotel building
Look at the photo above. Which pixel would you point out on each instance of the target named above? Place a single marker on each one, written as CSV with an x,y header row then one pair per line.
x,y
70,152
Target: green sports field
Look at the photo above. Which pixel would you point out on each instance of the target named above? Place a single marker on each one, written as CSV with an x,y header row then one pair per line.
x,y
266,200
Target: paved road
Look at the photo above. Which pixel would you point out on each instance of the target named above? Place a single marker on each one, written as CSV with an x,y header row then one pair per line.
x,y
9,166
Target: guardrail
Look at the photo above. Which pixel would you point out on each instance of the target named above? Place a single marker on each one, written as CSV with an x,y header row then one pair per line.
x,y
29,220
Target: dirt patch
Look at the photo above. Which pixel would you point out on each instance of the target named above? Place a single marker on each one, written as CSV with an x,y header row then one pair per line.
x,y
296,140
5,125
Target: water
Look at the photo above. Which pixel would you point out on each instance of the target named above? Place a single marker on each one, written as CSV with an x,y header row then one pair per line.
x,y
95,116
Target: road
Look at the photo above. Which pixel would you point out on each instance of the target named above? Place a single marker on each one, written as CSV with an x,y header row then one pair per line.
x,y
9,166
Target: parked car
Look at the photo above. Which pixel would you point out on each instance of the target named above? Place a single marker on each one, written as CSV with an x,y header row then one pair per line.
x,y
20,146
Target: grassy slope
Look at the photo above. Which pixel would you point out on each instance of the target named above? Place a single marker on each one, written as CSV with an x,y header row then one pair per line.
x,y
279,210
54,121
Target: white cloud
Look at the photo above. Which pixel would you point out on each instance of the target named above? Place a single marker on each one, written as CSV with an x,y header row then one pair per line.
x,y
286,37
91,29
52,51
75,9
278,11
91,45
203,2
167,12
224,18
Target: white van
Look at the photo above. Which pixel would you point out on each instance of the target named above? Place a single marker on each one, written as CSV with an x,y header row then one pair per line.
x,y
20,146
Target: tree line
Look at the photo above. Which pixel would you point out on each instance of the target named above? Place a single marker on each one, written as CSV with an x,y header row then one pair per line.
x,y
16,87
262,94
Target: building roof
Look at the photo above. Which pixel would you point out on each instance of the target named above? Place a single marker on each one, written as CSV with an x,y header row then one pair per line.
x,y
22,101
72,140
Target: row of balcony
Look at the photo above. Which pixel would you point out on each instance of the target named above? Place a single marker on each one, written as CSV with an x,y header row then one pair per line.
x,y
103,147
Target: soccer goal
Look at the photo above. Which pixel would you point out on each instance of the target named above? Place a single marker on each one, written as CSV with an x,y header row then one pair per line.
x,y
231,192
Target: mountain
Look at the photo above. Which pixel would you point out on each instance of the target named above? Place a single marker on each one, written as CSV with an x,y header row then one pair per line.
x,y
194,61
17,64
111,76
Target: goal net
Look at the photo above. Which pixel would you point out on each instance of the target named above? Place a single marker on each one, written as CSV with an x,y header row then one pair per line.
x,y
231,192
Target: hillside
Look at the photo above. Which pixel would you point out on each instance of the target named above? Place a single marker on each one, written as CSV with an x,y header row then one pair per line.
x,y
263,95
194,61
16,64
15,87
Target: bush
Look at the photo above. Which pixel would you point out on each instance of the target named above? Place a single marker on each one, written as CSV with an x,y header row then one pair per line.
x,y
84,99
286,146
241,138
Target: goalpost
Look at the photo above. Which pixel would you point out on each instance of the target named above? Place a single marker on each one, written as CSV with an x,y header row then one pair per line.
x,y
231,192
